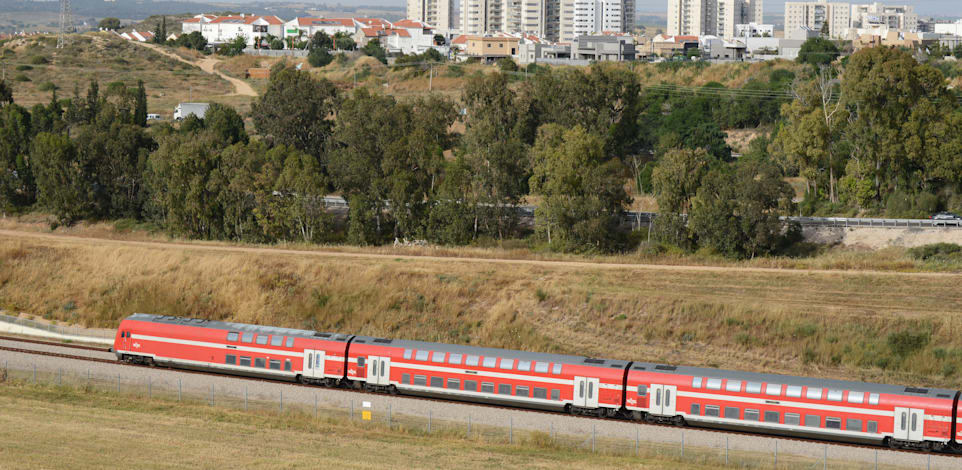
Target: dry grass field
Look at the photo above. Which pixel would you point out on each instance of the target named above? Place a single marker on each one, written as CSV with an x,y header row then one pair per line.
x,y
63,427
844,323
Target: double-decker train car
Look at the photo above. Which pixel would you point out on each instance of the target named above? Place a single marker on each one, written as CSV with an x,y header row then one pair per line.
x,y
922,418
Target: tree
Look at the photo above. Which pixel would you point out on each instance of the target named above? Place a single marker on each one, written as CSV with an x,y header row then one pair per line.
x,y
6,93
140,110
234,47
344,42
111,24
112,153
957,51
295,111
817,52
373,48
289,193
439,40
182,189
582,189
193,40
225,124
320,40
319,57
160,37
677,178
61,184
735,212
507,65
17,189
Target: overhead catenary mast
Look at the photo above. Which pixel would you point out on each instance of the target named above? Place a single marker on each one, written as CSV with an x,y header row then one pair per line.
x,y
66,23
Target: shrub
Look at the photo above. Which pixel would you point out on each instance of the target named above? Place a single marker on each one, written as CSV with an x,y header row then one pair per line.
x,y
935,251
508,65
38,60
904,343
46,86
21,78
23,67
319,57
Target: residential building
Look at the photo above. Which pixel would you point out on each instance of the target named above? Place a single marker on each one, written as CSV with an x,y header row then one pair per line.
x,y
897,39
667,46
139,36
754,30
439,13
884,17
598,16
611,47
224,29
404,37
769,48
193,24
716,48
816,15
556,20
804,33
307,27
711,17
948,28
492,48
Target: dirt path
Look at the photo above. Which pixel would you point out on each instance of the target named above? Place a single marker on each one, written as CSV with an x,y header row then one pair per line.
x,y
206,64
449,259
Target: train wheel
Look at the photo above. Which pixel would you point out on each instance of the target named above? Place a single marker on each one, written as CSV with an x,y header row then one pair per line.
x,y
678,421
392,390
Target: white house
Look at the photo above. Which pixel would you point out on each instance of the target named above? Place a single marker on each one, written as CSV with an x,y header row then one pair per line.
x,y
224,29
404,36
193,24
307,27
139,36
754,30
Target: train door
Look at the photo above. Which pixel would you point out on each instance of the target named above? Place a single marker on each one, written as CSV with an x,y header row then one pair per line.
x,y
313,363
661,400
909,424
125,341
378,370
372,366
586,392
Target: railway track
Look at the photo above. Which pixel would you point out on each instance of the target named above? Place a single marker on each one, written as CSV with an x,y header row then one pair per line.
x,y
427,399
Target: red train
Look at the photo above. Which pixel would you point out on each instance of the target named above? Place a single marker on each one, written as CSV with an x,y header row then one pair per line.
x,y
910,417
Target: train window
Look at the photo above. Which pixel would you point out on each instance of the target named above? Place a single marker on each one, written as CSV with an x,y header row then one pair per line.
x,y
248,338
713,384
245,361
793,419
873,399
753,387
507,364
524,366
915,419
834,395
731,412
232,336
275,364
261,340
521,391
408,354
856,397
504,389
230,359
556,370
487,387
287,365
437,382
454,383
438,357
813,393
277,340
405,378
556,395
471,385
773,389
455,358
833,423
642,390
793,391
695,409
872,427
361,361
290,341
696,382
591,391
853,425
541,367
581,389
540,393
712,410
813,421
421,380
734,386
422,355
771,417
751,415
260,362
472,361
667,397
490,362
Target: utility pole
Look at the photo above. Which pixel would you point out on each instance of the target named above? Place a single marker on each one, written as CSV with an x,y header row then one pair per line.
x,y
431,78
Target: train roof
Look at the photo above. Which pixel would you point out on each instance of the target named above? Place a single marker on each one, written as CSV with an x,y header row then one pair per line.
x,y
794,380
498,352
245,327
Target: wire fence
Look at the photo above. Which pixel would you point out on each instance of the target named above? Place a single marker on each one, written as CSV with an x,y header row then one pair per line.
x,y
413,418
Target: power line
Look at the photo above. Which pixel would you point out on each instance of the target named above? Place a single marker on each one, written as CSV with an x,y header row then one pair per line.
x,y
66,23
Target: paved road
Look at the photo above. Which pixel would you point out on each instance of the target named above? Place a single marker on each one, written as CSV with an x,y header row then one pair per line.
x,y
233,387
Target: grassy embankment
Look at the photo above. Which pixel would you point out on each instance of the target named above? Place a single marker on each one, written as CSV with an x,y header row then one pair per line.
x,y
883,326
106,58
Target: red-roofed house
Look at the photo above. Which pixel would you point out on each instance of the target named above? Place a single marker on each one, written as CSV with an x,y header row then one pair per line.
x,y
139,36
307,27
404,36
222,29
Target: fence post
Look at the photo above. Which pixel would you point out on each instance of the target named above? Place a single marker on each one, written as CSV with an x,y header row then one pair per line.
x,y
636,442
683,443
776,454
390,413
118,383
825,458
469,427
34,373
180,389
352,410
282,401
876,459
592,438
88,375
211,394
429,422
726,451
245,397
511,430
150,383
315,406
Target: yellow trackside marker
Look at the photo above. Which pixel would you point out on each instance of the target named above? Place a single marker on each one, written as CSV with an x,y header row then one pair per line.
x,y
366,413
